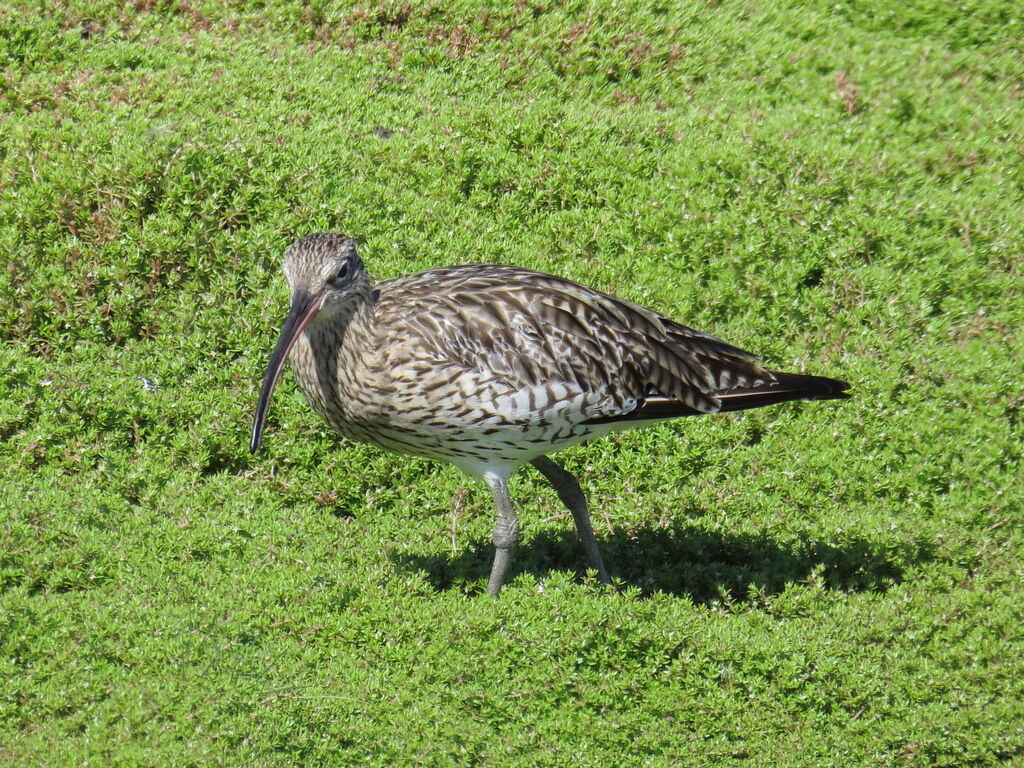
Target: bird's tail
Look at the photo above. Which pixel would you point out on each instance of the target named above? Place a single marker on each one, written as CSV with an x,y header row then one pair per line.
x,y
787,386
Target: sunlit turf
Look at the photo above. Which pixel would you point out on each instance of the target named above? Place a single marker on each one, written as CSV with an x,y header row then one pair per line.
x,y
836,186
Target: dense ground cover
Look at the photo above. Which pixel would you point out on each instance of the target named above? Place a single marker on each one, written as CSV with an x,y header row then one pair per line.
x,y
837,186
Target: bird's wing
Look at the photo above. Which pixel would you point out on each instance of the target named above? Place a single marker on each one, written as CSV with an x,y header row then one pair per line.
x,y
530,329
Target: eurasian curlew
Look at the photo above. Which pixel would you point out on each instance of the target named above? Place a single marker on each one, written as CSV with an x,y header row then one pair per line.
x,y
493,367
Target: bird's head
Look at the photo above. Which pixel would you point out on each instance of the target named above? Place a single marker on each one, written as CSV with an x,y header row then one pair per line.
x,y
325,268
325,275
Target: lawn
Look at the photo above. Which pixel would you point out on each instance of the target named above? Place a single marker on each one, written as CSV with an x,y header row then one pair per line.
x,y
837,186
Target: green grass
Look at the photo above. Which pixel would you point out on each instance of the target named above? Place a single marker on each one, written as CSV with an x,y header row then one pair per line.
x,y
837,186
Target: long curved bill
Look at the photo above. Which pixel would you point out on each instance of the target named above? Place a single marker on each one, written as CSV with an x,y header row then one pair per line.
x,y
303,309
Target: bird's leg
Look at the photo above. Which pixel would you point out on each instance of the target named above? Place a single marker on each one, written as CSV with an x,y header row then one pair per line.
x,y
568,489
506,533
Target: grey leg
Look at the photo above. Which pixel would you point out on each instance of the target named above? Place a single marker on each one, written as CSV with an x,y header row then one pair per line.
x,y
506,534
568,489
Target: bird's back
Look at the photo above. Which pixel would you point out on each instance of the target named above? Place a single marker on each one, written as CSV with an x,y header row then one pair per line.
x,y
528,329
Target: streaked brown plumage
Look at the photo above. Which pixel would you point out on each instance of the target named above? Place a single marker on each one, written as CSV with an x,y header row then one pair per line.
x,y
492,367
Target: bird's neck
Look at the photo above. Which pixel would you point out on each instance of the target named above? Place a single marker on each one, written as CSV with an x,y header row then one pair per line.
x,y
325,354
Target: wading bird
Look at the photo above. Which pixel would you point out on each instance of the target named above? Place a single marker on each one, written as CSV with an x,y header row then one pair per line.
x,y
493,367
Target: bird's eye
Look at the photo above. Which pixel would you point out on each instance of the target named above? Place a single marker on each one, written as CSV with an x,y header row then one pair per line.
x,y
342,272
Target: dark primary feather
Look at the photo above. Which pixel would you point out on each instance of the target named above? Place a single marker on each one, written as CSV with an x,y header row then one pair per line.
x,y
784,387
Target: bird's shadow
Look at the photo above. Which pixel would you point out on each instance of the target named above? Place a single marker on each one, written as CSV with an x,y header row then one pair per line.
x,y
686,560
